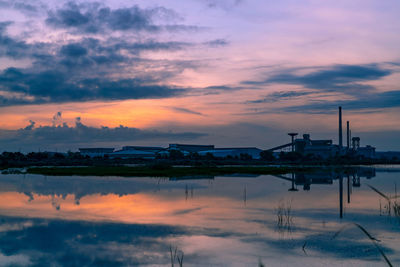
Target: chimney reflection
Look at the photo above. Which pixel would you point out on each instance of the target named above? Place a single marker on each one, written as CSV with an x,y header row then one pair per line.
x,y
326,177
348,189
341,196
293,183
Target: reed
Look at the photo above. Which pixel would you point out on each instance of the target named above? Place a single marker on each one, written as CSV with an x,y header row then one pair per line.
x,y
284,216
176,255
391,202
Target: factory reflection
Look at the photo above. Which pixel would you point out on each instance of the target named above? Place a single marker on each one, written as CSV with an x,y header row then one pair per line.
x,y
352,177
58,191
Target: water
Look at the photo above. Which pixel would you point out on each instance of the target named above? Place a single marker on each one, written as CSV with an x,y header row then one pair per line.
x,y
214,221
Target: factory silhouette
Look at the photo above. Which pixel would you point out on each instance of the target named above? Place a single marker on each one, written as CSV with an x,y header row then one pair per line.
x,y
325,148
305,147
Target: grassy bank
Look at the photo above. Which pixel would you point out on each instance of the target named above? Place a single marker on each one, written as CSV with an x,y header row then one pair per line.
x,y
141,171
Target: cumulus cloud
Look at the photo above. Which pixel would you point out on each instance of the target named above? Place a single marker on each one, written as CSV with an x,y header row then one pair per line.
x,y
85,70
14,48
88,68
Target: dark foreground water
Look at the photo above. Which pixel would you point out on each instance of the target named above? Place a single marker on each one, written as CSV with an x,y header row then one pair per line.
x,y
290,220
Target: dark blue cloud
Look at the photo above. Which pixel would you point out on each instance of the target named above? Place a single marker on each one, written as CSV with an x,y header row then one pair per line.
x,y
95,18
58,87
338,78
377,100
281,95
188,111
217,43
80,71
73,50
9,46
31,8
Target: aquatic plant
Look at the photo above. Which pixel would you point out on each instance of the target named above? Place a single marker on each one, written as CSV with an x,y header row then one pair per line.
x,y
284,216
391,202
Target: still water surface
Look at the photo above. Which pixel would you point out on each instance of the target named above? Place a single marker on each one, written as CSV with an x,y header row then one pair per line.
x,y
287,220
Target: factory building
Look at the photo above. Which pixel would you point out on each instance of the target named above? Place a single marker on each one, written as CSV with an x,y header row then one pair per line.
x,y
203,150
186,149
136,154
142,152
318,148
154,149
253,152
325,148
95,152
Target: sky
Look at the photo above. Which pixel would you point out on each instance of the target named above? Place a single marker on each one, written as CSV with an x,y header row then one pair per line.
x,y
225,72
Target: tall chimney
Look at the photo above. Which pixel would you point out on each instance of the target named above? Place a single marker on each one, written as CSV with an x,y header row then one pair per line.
x,y
348,135
340,129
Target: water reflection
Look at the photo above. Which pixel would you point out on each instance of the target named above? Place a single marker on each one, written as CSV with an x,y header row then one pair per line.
x,y
227,221
326,177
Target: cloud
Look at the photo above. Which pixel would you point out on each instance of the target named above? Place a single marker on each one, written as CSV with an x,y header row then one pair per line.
x,y
224,4
188,111
217,43
82,71
223,88
10,47
73,50
281,95
58,87
95,18
30,9
86,70
338,78
62,135
347,79
377,100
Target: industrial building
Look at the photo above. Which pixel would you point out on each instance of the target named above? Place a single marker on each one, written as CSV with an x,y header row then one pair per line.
x,y
320,149
137,152
203,150
185,148
253,152
95,152
325,149
148,152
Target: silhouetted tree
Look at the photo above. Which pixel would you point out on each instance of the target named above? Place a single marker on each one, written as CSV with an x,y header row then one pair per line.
x,y
245,156
267,155
176,154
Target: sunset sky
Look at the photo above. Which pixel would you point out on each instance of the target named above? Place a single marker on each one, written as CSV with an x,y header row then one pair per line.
x,y
223,72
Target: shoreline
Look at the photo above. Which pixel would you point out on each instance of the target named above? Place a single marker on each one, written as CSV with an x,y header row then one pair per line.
x,y
181,171
156,171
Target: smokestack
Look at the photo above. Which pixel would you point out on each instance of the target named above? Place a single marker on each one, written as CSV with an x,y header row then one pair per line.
x,y
348,134
340,128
